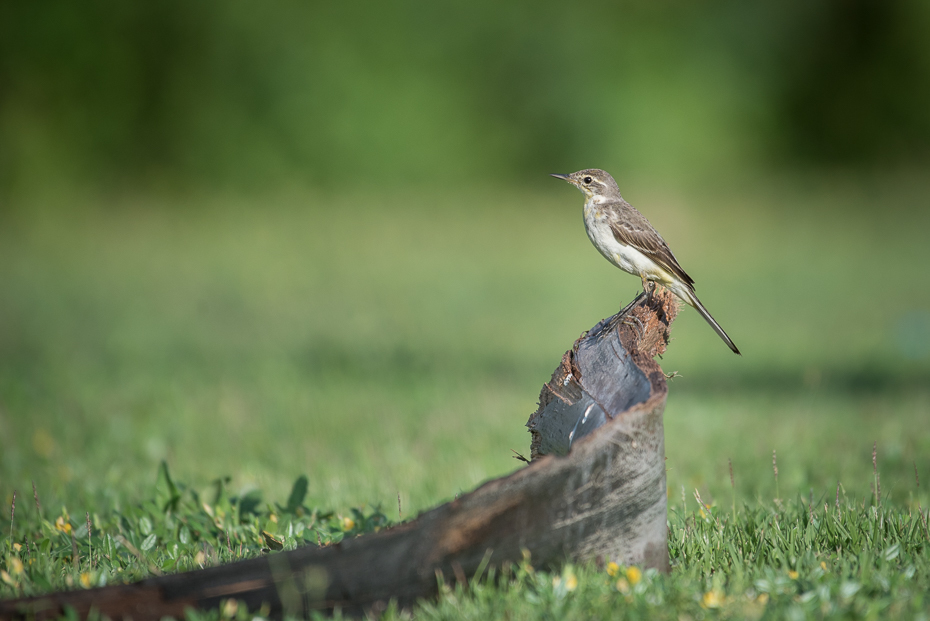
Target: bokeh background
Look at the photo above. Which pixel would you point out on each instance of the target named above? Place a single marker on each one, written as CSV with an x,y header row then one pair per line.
x,y
319,238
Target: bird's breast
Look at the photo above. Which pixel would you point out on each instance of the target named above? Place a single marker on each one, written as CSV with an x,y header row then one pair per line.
x,y
627,258
598,229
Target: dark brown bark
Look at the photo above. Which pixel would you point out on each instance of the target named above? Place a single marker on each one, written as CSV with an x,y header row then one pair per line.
x,y
595,490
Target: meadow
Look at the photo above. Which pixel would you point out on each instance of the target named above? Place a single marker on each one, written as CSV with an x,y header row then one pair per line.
x,y
390,347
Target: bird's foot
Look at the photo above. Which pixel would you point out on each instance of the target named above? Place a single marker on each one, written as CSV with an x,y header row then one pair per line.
x,y
649,288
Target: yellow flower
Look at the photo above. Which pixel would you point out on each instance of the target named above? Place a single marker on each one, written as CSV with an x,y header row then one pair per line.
x,y
612,569
634,575
62,525
273,518
571,582
7,578
17,546
823,566
16,566
763,598
712,599
85,580
623,586
230,608
348,523
792,574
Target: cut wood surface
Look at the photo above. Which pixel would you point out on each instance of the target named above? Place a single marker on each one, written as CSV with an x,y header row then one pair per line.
x,y
595,490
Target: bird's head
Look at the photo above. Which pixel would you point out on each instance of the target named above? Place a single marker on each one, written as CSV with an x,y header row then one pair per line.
x,y
592,182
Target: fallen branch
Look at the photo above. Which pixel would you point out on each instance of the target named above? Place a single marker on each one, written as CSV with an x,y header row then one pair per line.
x,y
594,490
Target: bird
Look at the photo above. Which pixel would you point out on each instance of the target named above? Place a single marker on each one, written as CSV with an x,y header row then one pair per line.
x,y
626,238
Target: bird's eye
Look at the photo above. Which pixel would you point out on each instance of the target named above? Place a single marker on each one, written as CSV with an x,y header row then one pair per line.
x,y
587,180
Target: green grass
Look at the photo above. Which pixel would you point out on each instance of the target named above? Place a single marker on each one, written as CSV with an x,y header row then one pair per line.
x,y
838,557
385,345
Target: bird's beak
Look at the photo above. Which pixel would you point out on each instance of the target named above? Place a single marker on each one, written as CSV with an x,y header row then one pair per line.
x,y
562,177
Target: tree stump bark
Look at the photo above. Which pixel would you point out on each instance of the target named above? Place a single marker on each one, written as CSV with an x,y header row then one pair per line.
x,y
594,490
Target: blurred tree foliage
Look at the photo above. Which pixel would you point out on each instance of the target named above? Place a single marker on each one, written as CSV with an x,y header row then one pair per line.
x,y
855,87
110,93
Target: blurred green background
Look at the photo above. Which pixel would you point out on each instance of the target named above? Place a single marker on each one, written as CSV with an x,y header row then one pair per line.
x,y
319,238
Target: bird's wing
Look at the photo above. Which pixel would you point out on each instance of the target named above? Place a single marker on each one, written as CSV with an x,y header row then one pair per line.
x,y
633,229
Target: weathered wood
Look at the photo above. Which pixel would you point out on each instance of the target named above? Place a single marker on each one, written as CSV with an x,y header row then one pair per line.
x,y
595,490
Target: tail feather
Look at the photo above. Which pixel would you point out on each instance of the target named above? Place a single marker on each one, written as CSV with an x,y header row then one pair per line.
x,y
693,300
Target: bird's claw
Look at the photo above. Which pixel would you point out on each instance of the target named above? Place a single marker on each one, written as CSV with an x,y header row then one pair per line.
x,y
649,288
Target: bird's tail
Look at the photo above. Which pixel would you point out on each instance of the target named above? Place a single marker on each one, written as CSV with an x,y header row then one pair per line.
x,y
692,299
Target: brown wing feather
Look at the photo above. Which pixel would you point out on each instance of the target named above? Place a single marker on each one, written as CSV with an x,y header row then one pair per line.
x,y
634,230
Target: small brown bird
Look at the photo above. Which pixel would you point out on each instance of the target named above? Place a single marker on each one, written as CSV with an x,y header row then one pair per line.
x,y
626,239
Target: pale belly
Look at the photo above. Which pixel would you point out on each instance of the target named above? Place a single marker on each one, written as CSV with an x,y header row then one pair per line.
x,y
625,257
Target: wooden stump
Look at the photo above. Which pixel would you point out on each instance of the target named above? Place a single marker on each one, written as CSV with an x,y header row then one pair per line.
x,y
594,490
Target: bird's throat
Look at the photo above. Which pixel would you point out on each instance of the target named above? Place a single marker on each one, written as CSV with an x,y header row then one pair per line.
x,y
592,207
